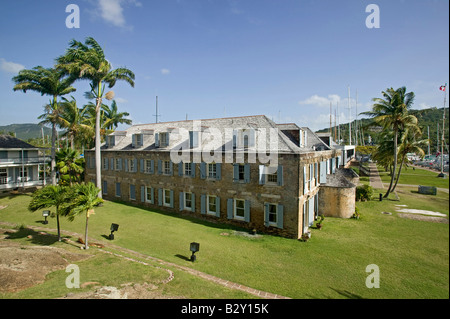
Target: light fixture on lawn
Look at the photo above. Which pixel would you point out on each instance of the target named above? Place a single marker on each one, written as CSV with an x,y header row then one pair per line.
x,y
114,227
45,214
195,247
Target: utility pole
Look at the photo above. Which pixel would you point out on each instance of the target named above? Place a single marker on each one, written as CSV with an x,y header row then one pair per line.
x,y
428,128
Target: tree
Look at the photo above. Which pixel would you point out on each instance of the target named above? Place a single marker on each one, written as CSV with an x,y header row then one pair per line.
x,y
70,166
113,117
73,119
51,196
51,82
88,62
410,144
391,112
85,199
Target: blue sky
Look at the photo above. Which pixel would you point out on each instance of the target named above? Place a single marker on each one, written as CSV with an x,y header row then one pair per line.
x,y
287,59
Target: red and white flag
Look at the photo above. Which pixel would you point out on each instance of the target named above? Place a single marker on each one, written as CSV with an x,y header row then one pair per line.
x,y
442,87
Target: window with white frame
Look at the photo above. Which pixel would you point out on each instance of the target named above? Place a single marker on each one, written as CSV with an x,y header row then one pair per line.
x,y
166,167
212,170
105,163
272,213
188,201
148,166
212,204
187,169
148,194
164,139
23,174
272,177
118,164
166,197
3,176
239,209
131,163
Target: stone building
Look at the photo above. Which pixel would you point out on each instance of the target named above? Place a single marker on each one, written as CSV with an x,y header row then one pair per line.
x,y
246,171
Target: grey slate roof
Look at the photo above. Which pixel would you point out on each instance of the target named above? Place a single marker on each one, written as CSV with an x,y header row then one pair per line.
x,y
10,142
217,134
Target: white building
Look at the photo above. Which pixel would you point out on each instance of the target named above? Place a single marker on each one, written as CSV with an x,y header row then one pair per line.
x,y
20,164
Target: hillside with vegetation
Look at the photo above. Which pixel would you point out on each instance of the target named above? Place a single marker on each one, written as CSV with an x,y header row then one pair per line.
x,y
428,118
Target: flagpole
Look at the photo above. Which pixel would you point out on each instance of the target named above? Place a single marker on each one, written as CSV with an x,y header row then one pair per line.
x,y
443,132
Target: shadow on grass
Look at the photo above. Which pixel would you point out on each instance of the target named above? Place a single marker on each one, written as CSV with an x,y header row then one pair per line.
x,y
38,238
183,257
196,219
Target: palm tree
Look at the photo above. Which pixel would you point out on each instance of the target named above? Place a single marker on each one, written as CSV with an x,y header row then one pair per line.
x,y
73,119
85,199
51,82
70,165
51,196
88,62
410,144
392,114
113,117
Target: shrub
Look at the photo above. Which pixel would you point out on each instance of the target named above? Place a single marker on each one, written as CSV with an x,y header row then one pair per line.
x,y
364,193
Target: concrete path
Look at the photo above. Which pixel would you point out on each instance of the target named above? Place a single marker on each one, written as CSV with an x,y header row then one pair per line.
x,y
374,177
217,280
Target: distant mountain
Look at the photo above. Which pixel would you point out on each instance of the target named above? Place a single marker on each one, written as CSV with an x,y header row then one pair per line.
x,y
25,131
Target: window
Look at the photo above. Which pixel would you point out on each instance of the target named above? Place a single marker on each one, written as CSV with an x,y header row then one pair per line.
x,y
166,168
167,198
3,176
212,204
131,165
23,174
149,195
241,173
132,192
164,139
149,166
188,201
212,170
105,163
118,192
118,164
272,178
239,209
271,175
187,169
272,213
105,188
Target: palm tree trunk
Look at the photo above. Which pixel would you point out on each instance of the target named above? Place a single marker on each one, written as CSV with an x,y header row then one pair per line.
x,y
57,225
399,171
53,156
86,246
98,171
395,163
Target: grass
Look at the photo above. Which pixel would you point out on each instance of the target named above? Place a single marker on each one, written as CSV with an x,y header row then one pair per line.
x,y
417,176
413,256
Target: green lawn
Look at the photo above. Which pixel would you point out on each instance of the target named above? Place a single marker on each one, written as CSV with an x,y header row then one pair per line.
x,y
417,176
413,256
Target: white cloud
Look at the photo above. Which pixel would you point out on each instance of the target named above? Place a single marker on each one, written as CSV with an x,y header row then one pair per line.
x,y
320,101
165,71
121,100
112,11
10,67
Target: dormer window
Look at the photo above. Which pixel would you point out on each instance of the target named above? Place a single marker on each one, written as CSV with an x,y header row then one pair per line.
x,y
137,140
110,141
